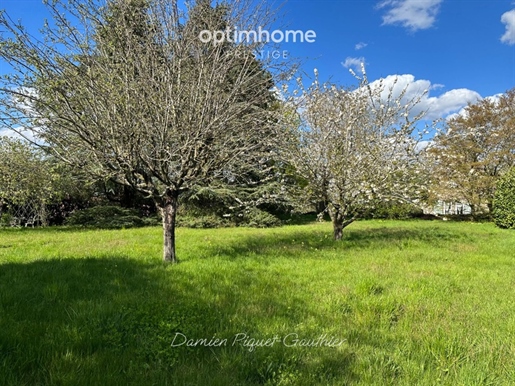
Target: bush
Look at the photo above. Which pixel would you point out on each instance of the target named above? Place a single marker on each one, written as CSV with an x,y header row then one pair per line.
x,y
5,220
504,201
257,218
108,217
211,208
201,221
394,211
251,217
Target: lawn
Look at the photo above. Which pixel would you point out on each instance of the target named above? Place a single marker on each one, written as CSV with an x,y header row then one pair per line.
x,y
394,303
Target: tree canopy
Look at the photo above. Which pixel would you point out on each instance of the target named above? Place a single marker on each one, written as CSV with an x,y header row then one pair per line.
x,y
356,146
474,150
128,91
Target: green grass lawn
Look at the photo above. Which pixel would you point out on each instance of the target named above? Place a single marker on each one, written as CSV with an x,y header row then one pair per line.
x,y
394,303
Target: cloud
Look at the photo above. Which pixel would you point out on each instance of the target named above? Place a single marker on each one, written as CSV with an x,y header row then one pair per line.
x,y
25,108
435,107
360,45
494,98
412,14
20,133
422,145
436,86
9,133
449,102
464,113
354,63
508,18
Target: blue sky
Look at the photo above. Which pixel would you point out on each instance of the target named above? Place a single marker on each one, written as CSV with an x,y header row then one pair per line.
x,y
460,50
457,49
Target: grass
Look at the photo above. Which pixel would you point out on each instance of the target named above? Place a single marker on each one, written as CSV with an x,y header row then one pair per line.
x,y
415,303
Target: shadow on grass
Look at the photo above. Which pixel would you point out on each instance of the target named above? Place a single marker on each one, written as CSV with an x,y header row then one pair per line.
x,y
68,229
112,320
312,241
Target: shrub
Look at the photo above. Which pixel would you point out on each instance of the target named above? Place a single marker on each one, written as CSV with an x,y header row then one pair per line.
x,y
504,201
251,217
108,217
5,219
210,208
258,218
201,221
393,211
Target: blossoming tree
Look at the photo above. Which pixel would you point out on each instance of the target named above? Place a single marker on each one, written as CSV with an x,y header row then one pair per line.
x,y
354,147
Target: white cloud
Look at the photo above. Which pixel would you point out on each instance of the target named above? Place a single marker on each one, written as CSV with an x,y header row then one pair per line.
x,y
435,107
463,112
436,86
20,133
354,63
508,18
422,145
25,107
412,14
494,98
360,45
8,133
449,102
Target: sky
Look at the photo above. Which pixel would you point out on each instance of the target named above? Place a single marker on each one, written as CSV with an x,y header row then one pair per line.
x,y
459,50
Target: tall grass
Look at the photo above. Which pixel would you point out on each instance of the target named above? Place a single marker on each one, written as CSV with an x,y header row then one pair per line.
x,y
402,303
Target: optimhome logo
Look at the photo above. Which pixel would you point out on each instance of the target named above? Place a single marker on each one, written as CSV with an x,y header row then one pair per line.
x,y
235,35
260,36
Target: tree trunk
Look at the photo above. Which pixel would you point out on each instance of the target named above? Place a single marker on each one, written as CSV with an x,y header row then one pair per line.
x,y
168,208
472,210
337,229
128,197
339,222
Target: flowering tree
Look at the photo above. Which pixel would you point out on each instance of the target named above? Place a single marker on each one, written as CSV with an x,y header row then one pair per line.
x,y
354,147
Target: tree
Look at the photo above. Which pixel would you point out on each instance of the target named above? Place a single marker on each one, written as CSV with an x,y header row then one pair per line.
x,y
474,150
130,92
237,192
27,178
504,201
354,147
